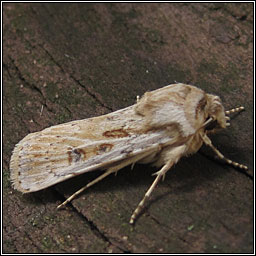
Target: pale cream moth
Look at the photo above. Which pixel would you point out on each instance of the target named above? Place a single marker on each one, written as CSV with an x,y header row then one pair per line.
x,y
164,125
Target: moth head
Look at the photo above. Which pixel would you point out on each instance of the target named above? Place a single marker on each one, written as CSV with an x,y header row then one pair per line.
x,y
215,112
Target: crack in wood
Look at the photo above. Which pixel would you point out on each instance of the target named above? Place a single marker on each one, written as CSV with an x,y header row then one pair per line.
x,y
92,225
88,91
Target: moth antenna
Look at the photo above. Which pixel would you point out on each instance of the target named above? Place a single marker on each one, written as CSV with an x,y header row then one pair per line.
x,y
208,142
233,110
159,174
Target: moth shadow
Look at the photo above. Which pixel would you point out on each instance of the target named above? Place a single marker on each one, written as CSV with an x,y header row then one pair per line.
x,y
122,180
196,175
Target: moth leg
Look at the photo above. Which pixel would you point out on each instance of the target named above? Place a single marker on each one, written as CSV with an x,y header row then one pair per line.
x,y
208,142
110,170
214,130
159,174
173,154
105,174
101,177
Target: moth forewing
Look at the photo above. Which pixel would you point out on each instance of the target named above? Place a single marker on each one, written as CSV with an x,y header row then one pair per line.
x,y
160,128
60,152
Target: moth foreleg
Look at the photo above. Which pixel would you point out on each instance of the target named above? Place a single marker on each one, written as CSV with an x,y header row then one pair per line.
x,y
159,174
208,142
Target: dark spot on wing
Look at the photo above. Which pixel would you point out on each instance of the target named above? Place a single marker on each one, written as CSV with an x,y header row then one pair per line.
x,y
119,133
69,157
79,153
126,151
104,148
75,155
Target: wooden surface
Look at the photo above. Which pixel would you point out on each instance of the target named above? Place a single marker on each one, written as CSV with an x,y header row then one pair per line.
x,y
83,60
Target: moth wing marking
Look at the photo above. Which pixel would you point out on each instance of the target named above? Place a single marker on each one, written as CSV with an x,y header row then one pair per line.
x,y
172,105
175,113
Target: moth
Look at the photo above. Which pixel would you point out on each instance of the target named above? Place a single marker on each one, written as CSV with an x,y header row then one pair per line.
x,y
163,126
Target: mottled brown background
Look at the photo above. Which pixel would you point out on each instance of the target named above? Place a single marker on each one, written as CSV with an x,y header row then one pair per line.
x,y
82,60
